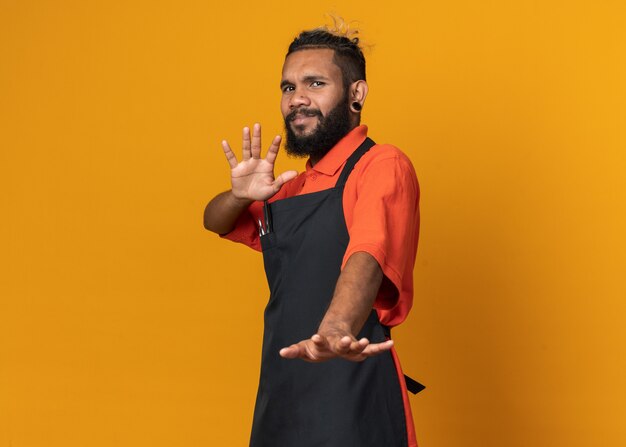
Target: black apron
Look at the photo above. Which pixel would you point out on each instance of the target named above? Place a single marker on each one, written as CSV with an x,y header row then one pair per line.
x,y
336,403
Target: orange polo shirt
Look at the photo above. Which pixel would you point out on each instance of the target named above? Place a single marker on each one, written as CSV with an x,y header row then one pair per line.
x,y
380,203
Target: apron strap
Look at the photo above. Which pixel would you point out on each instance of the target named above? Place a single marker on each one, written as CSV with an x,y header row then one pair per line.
x,y
352,160
412,385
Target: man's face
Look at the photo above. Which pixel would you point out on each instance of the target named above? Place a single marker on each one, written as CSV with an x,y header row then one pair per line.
x,y
314,103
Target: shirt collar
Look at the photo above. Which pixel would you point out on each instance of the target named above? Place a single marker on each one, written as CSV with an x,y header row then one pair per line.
x,y
337,156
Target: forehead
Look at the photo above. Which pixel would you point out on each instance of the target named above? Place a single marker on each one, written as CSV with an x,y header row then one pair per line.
x,y
309,62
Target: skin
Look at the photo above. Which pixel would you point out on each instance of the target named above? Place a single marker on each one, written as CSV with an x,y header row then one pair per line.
x,y
310,80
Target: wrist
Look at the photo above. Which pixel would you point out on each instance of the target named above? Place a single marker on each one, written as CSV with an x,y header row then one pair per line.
x,y
334,326
240,202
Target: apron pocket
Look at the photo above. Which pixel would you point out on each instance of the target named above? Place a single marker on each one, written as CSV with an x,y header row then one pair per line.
x,y
268,241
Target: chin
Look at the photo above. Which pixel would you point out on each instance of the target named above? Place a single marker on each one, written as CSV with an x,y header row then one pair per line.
x,y
303,131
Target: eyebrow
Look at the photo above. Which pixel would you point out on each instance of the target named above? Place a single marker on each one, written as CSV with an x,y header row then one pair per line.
x,y
307,78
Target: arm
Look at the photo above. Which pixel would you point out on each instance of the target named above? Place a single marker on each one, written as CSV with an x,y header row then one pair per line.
x,y
382,226
222,212
252,179
352,302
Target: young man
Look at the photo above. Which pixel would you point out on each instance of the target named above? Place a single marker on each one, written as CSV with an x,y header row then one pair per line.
x,y
339,244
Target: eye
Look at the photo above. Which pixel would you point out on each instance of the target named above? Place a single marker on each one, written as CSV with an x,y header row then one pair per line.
x,y
287,88
317,83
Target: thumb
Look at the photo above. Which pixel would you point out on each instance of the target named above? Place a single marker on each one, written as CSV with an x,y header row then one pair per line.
x,y
284,178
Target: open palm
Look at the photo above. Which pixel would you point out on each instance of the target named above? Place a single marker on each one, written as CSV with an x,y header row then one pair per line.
x,y
253,178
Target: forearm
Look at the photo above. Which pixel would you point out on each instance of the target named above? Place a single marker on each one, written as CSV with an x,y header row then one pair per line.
x,y
221,213
355,293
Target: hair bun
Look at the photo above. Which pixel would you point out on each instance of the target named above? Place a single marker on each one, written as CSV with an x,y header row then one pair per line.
x,y
344,29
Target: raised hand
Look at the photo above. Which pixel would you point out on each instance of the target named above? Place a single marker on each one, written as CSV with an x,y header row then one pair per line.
x,y
252,178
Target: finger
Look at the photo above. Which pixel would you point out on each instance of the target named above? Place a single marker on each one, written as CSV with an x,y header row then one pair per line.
x,y
272,152
291,352
377,348
246,143
304,350
320,341
358,346
284,178
343,345
256,141
230,156
348,347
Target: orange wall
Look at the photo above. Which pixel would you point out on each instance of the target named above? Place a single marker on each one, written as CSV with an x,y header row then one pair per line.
x,y
124,323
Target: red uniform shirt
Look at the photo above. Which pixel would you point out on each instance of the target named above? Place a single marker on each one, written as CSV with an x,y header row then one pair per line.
x,y
380,203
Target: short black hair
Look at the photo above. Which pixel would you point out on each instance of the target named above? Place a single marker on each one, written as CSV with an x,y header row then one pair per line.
x,y
348,55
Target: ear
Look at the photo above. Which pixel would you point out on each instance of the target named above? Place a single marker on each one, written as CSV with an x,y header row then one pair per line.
x,y
358,93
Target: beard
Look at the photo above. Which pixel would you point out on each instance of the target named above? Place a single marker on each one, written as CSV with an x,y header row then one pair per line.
x,y
329,130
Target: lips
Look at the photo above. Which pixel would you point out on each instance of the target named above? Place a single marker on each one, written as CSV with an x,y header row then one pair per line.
x,y
299,116
299,119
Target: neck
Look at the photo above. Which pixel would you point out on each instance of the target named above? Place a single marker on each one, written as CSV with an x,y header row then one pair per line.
x,y
314,160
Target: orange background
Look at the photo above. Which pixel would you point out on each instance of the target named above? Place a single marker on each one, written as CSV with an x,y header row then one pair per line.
x,y
124,323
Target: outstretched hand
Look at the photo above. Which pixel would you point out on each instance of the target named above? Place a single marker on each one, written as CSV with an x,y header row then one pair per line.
x,y
252,178
333,344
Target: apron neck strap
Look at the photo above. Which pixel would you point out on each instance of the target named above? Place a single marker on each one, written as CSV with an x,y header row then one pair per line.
x,y
352,160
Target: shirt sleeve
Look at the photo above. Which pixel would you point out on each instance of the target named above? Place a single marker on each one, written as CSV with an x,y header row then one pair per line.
x,y
384,222
246,230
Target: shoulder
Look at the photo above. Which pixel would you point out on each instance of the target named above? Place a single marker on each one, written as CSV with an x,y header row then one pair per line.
x,y
386,160
385,154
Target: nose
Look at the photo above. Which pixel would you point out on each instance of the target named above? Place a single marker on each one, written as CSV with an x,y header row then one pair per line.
x,y
299,99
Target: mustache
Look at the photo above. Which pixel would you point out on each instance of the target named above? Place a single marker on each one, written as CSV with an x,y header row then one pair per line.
x,y
305,112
